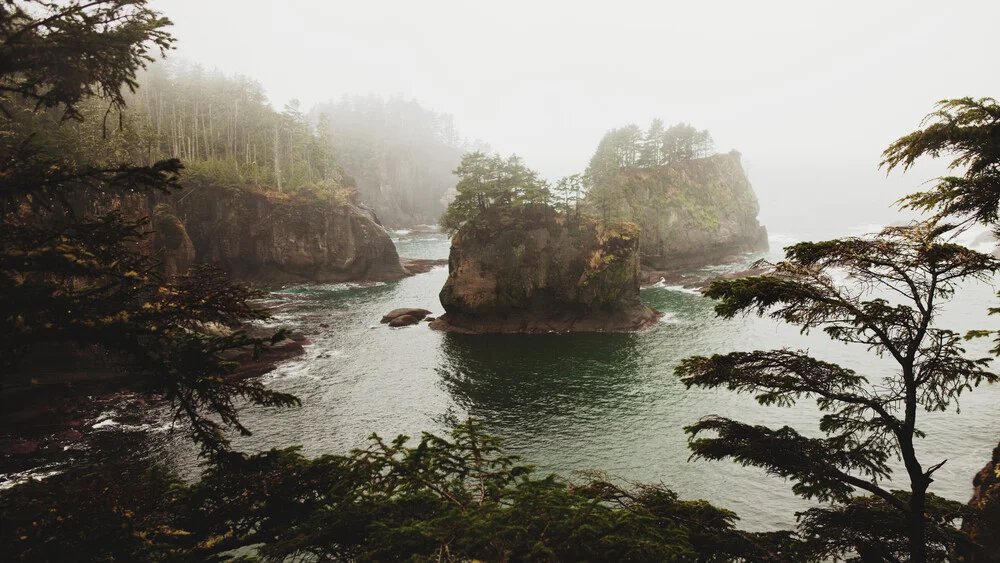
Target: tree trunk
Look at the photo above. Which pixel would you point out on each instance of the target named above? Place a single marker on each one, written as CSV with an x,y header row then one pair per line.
x,y
916,526
277,160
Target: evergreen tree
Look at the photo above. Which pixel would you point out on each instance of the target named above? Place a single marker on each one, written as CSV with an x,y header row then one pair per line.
x,y
683,142
72,272
897,282
568,193
968,128
652,145
492,182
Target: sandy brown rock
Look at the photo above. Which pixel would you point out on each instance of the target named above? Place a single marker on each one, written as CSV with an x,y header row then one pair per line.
x,y
414,266
171,243
404,320
277,238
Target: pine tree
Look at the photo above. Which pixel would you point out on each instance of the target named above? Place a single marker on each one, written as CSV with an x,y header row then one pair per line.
x,y
968,128
72,274
898,281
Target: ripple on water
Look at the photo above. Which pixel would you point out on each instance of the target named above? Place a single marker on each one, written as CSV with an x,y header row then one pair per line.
x,y
569,402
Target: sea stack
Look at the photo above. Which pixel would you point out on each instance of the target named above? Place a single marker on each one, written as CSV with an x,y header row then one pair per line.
x,y
533,270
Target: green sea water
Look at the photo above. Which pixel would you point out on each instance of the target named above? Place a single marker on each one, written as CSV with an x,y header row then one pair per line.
x,y
572,402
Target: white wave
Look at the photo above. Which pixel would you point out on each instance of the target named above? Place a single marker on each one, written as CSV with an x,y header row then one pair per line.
x,y
782,240
682,289
670,319
326,287
106,423
11,480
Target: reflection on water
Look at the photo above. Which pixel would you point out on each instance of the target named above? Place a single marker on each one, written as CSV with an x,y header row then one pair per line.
x,y
572,401
525,383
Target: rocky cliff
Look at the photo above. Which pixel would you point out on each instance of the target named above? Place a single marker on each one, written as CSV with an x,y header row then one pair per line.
x,y
692,213
533,270
984,526
272,238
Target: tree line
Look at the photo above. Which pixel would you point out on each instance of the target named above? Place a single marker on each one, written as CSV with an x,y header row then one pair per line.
x,y
401,154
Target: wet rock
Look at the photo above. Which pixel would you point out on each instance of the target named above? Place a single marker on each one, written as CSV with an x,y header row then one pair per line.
x,y
17,446
414,266
171,243
404,320
532,271
412,312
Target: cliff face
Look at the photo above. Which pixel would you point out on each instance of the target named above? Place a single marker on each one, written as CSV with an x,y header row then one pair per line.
x,y
983,526
532,270
692,213
271,237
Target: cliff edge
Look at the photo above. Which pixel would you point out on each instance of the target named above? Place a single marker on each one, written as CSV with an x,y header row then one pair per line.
x,y
270,237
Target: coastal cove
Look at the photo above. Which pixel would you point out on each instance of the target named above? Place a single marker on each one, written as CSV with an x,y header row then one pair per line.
x,y
567,402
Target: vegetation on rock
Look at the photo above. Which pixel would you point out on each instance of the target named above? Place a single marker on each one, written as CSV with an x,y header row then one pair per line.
x,y
491,182
523,260
694,208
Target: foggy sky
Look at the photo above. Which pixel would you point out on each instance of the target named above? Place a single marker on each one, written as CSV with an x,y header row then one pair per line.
x,y
810,94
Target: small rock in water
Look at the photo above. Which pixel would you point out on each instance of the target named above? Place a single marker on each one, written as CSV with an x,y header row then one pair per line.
x,y
404,320
396,313
324,325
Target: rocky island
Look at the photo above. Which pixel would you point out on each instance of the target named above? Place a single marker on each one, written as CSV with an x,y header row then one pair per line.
x,y
519,264
543,273
695,208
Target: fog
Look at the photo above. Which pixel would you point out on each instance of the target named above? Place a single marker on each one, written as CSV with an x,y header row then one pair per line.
x,y
810,94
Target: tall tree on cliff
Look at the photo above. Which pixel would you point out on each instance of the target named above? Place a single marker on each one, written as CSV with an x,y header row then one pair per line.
x,y
652,144
73,275
683,142
488,182
897,281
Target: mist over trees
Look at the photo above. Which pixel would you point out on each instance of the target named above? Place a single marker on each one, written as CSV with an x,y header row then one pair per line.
x,y
224,127
492,181
401,154
630,147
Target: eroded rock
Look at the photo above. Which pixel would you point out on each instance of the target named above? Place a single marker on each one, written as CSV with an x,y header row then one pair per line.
x,y
984,527
534,270
404,320
406,311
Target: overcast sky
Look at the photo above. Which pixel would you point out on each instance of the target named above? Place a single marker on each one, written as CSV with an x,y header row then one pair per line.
x,y
809,92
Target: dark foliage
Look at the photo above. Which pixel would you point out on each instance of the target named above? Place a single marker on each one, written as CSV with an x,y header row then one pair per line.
x,y
455,499
895,283
968,129
73,264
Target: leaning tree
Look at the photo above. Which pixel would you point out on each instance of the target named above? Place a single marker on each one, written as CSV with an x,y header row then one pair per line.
x,y
896,283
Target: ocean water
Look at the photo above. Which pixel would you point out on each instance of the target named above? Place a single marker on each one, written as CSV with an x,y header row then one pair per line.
x,y
571,402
